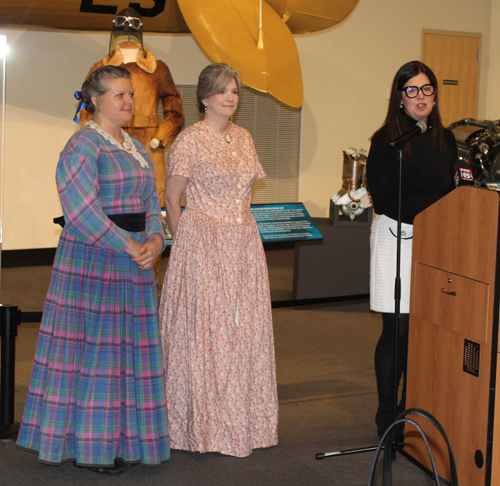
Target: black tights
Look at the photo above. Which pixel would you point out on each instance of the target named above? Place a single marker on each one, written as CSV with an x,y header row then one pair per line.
x,y
384,368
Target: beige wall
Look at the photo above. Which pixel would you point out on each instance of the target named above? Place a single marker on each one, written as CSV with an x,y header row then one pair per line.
x,y
346,71
492,111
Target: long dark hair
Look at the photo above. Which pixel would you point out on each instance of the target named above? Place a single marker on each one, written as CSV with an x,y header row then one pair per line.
x,y
396,120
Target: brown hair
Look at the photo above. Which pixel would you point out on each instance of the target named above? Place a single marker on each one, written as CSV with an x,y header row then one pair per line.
x,y
213,79
96,84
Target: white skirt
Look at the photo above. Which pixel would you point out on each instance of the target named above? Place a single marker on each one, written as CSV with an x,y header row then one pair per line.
x,y
383,247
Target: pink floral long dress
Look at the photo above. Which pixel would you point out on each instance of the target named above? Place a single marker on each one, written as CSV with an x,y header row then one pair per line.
x,y
215,310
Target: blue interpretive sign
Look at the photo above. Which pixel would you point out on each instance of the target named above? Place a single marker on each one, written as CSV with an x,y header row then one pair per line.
x,y
276,222
285,222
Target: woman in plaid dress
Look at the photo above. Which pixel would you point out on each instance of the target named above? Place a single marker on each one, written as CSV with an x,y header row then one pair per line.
x,y
97,391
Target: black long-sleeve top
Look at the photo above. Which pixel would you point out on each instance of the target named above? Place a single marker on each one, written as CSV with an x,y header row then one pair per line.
x,y
426,176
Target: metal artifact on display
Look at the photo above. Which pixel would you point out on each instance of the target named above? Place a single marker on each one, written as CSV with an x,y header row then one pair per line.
x,y
478,143
352,201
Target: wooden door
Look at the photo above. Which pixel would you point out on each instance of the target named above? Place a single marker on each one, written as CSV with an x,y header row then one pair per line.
x,y
455,61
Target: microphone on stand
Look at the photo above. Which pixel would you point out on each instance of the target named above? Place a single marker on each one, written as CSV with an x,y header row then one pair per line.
x,y
420,127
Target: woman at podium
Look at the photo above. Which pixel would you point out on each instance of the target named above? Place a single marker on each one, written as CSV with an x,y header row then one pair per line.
x,y
429,158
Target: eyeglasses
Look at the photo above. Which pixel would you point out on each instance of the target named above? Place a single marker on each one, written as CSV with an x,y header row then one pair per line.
x,y
412,91
133,22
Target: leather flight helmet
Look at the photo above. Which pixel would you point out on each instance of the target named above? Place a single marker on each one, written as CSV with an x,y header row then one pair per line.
x,y
127,27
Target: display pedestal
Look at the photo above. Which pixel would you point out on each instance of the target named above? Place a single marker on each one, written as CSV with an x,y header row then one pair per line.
x,y
337,218
337,266
9,320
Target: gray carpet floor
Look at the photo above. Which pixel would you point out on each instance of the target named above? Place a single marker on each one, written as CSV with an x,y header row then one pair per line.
x,y
326,389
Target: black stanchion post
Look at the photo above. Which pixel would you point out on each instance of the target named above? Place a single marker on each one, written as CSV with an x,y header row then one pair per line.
x,y
9,320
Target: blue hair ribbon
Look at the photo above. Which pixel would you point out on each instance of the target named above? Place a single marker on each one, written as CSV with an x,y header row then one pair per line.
x,y
81,105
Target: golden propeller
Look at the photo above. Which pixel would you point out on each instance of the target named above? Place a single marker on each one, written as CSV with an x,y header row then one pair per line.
x,y
250,37
306,16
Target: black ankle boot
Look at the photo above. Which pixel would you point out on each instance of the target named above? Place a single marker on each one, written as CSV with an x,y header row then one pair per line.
x,y
114,470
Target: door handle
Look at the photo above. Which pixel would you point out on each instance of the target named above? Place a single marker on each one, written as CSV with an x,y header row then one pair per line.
x,y
448,292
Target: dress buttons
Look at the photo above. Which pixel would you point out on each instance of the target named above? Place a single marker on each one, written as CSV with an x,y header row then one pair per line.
x,y
235,153
238,220
238,186
238,201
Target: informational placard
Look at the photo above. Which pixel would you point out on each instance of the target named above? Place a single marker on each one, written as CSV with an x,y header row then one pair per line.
x,y
276,222
285,222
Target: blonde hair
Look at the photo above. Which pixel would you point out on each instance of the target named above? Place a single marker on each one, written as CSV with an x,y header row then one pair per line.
x,y
213,79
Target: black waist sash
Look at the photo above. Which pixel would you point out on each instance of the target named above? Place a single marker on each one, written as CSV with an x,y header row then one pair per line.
x,y
133,222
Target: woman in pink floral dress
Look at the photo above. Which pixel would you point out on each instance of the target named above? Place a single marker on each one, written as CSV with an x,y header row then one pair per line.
x,y
215,308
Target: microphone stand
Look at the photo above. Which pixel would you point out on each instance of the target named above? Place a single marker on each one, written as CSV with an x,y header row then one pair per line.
x,y
397,319
397,305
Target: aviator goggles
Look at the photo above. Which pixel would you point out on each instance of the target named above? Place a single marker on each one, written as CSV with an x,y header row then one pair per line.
x,y
133,22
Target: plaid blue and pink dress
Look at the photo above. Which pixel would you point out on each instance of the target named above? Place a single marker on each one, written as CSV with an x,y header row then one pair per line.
x,y
97,390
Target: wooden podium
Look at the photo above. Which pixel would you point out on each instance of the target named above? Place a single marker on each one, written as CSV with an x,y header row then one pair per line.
x,y
453,338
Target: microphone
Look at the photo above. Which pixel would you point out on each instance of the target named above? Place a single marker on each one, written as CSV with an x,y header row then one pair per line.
x,y
464,177
420,127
